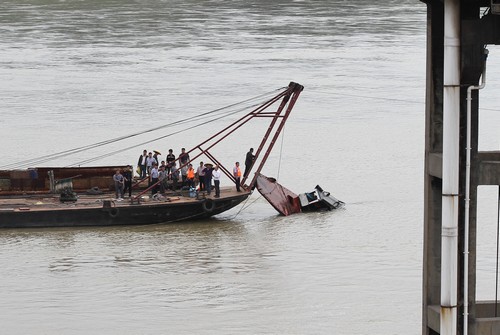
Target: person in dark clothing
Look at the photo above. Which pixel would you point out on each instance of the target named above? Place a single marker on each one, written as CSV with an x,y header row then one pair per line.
x,y
208,177
170,160
127,174
183,157
142,163
249,160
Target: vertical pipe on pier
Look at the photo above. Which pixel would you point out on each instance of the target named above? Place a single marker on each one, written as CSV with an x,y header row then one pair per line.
x,y
451,133
468,149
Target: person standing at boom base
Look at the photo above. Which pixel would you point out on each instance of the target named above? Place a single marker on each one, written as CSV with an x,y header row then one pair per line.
x,y
237,175
250,158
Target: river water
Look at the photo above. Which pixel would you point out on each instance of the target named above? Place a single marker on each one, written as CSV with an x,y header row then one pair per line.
x,y
79,72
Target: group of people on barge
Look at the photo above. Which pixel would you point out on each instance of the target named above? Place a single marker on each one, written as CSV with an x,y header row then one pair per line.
x,y
166,175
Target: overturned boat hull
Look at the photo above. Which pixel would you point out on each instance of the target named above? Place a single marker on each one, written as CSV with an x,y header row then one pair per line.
x,y
287,202
282,199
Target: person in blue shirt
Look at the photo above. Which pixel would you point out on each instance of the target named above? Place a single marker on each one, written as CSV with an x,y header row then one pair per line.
x,y
119,182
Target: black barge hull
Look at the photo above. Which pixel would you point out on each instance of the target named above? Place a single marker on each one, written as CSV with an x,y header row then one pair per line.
x,y
126,214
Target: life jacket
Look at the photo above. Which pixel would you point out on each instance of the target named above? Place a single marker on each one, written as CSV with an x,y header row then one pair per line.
x,y
190,173
237,172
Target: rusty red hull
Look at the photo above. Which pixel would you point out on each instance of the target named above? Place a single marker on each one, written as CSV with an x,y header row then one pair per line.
x,y
23,181
286,202
282,199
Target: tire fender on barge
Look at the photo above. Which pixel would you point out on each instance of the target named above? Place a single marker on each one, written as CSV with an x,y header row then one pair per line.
x,y
208,205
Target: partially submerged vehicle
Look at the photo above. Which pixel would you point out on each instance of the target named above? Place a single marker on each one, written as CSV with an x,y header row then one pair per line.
x,y
287,202
319,200
72,196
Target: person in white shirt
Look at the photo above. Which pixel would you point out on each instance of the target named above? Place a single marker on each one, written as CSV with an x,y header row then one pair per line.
x,y
150,161
216,176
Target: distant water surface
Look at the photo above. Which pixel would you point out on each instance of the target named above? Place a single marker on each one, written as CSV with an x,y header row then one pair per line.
x,y
79,72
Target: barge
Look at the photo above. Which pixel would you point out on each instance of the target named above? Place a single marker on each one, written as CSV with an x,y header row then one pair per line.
x,y
33,198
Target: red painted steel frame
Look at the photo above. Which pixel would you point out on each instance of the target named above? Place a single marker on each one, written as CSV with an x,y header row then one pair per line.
x,y
289,96
295,90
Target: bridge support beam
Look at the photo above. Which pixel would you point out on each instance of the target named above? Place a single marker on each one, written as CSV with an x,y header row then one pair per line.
x,y
445,167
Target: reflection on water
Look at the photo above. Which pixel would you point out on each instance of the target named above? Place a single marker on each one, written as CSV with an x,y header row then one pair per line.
x,y
291,273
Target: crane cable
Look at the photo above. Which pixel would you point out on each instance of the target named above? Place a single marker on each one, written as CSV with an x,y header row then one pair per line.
x,y
245,206
496,274
161,137
65,153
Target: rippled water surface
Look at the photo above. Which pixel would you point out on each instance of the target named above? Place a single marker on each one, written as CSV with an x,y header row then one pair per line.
x,y
79,72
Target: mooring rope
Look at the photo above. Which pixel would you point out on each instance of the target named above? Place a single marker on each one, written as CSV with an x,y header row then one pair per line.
x,y
244,206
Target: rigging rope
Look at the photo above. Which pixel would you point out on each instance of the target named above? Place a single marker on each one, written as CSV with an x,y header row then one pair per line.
x,y
245,206
384,98
281,152
65,153
496,275
162,137
367,97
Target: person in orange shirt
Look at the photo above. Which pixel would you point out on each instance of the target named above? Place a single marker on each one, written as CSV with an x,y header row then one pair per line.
x,y
190,176
237,175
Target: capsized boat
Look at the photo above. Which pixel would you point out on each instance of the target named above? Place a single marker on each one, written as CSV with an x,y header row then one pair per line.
x,y
64,197
287,202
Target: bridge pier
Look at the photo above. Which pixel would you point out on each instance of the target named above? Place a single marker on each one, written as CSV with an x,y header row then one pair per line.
x,y
475,32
